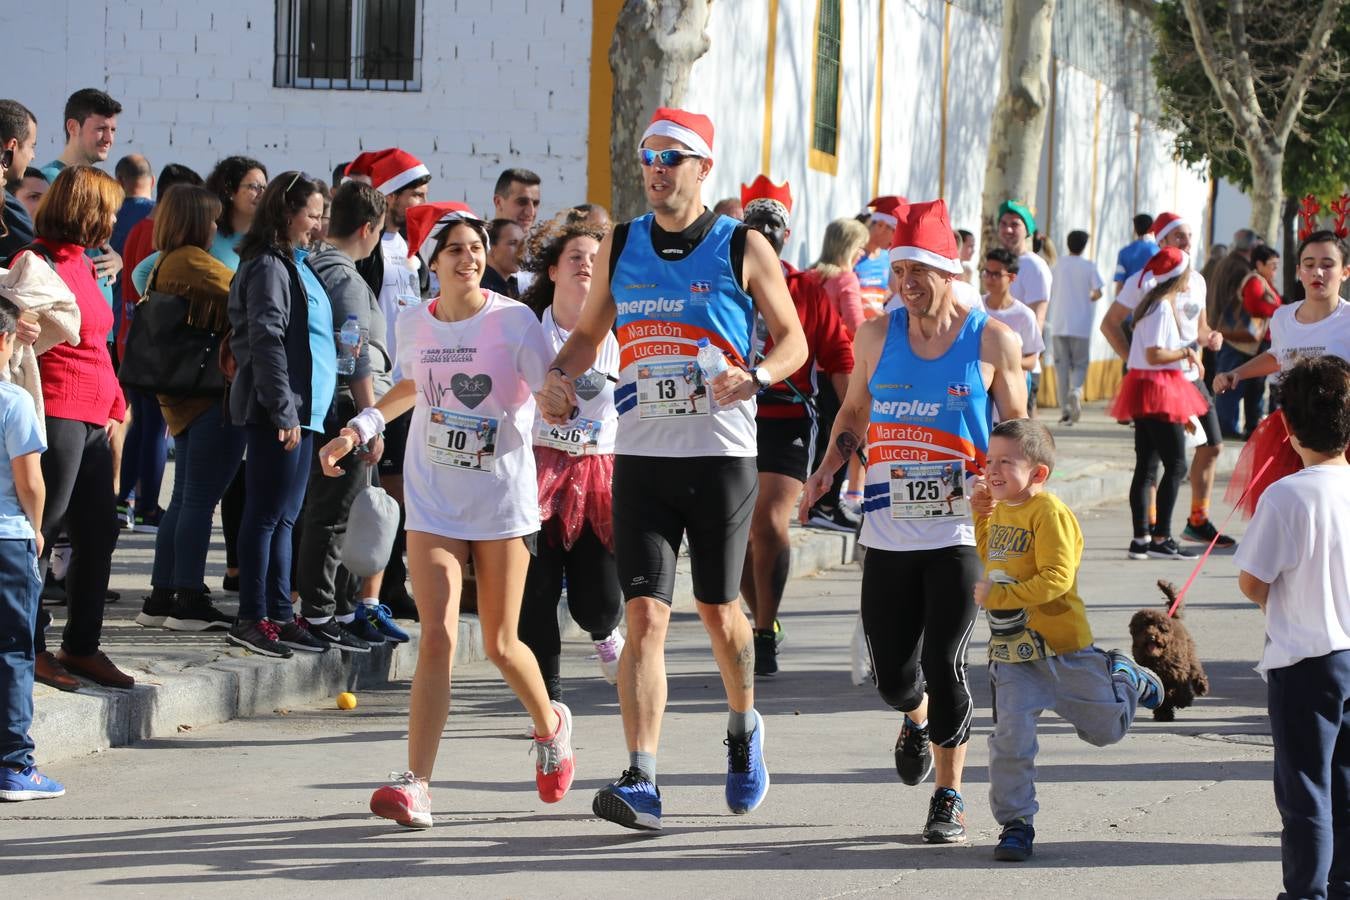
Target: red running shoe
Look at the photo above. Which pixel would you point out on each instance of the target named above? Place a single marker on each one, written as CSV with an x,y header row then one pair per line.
x,y
555,763
407,801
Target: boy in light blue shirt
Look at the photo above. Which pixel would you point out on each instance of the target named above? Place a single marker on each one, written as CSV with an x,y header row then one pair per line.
x,y
22,493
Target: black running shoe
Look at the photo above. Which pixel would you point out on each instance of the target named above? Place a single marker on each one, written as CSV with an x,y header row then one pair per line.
x,y
766,654
194,611
1206,532
230,584
295,634
946,818
258,636
155,608
913,755
337,637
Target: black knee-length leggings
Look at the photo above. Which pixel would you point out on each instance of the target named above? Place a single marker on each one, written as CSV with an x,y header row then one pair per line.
x,y
1155,440
918,612
593,595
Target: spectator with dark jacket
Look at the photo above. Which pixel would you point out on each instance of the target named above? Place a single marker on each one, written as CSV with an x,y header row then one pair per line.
x,y
18,134
329,601
283,344
82,401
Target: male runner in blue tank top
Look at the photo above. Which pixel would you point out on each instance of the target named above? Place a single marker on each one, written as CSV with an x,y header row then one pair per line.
x,y
685,456
926,379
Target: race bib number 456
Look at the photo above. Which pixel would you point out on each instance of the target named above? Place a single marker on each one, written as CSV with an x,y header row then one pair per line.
x,y
928,490
671,390
461,440
577,438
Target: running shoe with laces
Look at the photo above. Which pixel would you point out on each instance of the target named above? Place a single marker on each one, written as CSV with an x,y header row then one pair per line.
x,y
363,627
946,818
554,762
1138,549
1144,682
295,634
747,775
607,652
148,523
632,801
1014,842
382,619
913,753
155,608
407,801
1168,549
1206,532
194,611
334,635
766,654
836,519
125,517
260,636
27,784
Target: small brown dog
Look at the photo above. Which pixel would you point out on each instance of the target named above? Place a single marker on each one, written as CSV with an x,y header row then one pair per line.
x,y
1164,645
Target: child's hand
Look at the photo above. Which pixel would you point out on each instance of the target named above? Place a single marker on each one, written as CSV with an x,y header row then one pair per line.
x,y
981,499
982,588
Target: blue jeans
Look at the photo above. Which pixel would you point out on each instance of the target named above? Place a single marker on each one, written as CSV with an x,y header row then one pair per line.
x,y
20,587
206,456
275,482
1247,397
1310,723
144,452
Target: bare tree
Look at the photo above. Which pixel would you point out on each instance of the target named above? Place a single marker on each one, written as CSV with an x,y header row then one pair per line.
x,y
1264,98
655,45
1019,118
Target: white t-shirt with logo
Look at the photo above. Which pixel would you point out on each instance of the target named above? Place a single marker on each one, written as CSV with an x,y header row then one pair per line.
x,y
1072,308
597,422
468,471
1292,340
398,291
1299,543
1190,306
1019,317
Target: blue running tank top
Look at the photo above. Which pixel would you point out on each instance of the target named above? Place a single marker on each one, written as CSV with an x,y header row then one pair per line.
x,y
927,436
663,308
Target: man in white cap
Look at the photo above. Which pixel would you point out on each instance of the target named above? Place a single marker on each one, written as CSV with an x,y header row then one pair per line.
x,y
683,286
1171,230
923,380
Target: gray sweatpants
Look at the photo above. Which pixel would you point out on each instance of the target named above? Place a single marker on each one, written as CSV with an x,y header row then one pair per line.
x,y
1076,685
1071,367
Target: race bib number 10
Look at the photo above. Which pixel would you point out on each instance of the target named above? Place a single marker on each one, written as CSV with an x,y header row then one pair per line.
x,y
461,440
928,490
671,390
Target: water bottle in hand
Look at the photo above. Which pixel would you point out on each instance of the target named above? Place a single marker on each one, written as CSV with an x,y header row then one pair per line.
x,y
349,345
710,360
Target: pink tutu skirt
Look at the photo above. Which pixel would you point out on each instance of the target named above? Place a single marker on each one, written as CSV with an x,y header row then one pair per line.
x,y
575,491
1251,475
1157,394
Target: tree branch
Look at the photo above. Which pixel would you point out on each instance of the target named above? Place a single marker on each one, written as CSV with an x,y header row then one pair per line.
x,y
1247,124
1308,62
1243,71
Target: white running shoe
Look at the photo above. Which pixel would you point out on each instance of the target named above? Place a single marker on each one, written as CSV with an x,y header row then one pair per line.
x,y
608,652
407,801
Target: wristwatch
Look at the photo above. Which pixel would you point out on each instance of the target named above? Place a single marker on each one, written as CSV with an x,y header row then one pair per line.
x,y
762,377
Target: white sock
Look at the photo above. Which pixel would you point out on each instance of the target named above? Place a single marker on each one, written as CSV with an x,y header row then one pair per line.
x,y
348,619
317,620
370,601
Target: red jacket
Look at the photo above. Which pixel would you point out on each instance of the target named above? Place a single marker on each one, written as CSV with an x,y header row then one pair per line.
x,y
78,382
828,347
139,244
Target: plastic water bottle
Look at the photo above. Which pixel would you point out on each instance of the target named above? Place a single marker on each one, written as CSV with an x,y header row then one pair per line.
x,y
710,360
349,345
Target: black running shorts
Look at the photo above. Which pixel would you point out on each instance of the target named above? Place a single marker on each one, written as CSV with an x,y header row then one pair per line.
x,y
785,446
660,501
1210,420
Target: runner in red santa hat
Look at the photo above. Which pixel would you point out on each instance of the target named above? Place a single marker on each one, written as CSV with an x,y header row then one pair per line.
x,y
874,269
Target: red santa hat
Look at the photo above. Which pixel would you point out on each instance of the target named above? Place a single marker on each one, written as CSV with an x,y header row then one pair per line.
x,y
887,208
1165,224
762,190
923,233
1166,264
427,221
694,130
387,170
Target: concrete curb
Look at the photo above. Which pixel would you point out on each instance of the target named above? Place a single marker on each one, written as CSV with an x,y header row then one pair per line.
x,y
235,684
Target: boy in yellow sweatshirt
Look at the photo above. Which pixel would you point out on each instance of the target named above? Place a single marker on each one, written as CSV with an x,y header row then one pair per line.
x,y
1041,654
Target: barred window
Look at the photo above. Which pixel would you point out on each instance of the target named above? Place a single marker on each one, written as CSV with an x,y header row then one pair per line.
x,y
825,93
349,45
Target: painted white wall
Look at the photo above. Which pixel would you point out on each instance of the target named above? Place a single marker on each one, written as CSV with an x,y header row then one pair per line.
x,y
1232,211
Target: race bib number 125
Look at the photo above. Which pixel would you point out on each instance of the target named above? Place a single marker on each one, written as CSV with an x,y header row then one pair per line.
x,y
928,490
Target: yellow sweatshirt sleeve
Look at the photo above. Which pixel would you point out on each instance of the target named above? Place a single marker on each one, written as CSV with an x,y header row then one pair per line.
x,y
1057,550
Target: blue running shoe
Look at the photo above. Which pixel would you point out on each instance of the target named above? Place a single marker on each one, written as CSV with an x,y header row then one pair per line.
x,y
747,776
1144,682
364,628
383,620
1014,844
28,784
632,801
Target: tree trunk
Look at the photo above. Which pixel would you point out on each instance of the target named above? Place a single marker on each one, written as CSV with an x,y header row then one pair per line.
x,y
1019,118
1267,193
654,48
1288,247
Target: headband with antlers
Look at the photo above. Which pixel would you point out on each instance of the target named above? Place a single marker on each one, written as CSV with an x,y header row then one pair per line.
x,y
1307,214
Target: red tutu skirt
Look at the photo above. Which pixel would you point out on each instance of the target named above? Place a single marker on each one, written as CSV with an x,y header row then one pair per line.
x,y
1270,441
575,491
1157,394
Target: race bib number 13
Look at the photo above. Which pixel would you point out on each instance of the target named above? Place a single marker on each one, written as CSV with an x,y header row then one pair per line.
x,y
461,440
928,490
671,390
